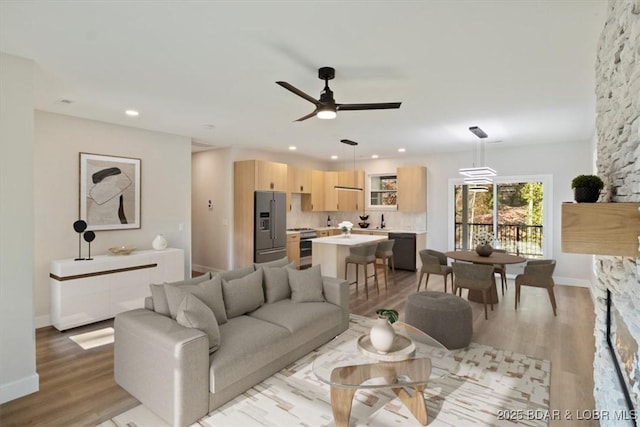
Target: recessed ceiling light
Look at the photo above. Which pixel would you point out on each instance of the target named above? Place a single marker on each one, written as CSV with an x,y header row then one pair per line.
x,y
132,113
374,156
334,157
292,147
401,150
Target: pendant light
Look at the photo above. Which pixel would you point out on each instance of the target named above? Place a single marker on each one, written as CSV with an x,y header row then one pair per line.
x,y
478,174
355,173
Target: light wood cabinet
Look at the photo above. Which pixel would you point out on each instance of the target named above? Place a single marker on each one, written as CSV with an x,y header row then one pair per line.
x,y
330,193
323,233
316,200
601,228
270,176
293,248
250,176
300,180
412,189
351,201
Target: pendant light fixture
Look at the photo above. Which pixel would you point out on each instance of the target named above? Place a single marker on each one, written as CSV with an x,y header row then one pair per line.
x,y
478,174
355,173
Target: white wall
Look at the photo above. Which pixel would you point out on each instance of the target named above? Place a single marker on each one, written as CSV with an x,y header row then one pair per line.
x,y
165,191
18,375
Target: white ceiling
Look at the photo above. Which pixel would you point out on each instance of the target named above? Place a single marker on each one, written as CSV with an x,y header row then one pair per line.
x,y
521,70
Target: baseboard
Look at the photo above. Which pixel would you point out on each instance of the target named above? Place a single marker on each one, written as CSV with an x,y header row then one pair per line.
x,y
19,388
572,281
42,321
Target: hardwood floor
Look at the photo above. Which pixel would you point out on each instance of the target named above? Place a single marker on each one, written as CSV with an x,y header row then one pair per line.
x,y
77,386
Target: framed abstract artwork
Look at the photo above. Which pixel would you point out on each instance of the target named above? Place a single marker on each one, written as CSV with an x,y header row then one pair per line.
x,y
109,192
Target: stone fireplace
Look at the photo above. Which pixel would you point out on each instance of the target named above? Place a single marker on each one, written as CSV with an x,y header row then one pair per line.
x,y
618,151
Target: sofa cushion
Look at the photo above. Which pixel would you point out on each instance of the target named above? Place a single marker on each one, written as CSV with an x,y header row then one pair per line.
x,y
160,304
193,313
314,316
243,295
306,285
209,292
276,283
282,262
237,273
249,344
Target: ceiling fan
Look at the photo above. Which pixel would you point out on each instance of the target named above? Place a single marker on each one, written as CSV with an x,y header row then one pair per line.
x,y
326,106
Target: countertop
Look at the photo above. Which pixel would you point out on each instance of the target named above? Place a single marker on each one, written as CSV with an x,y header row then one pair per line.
x,y
355,239
384,230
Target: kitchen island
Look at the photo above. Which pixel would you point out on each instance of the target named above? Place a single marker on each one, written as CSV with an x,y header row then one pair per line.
x,y
331,251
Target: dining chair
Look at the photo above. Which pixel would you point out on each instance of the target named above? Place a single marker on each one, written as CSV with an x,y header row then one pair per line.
x,y
434,262
474,277
362,255
501,269
384,252
539,274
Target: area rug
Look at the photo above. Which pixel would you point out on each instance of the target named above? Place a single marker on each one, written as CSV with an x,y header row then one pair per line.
x,y
94,338
488,386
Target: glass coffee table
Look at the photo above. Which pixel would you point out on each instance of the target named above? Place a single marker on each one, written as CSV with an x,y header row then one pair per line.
x,y
348,368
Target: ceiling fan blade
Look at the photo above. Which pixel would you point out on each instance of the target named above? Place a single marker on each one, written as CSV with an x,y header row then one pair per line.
x,y
373,106
298,92
308,116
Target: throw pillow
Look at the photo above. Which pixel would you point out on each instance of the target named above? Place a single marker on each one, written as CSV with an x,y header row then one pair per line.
x,y
276,284
306,285
209,292
243,295
160,304
282,262
193,313
237,273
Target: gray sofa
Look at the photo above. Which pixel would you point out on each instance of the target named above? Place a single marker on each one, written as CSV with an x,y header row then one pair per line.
x,y
182,373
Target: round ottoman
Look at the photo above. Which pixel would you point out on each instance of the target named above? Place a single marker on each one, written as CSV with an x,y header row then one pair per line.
x,y
444,317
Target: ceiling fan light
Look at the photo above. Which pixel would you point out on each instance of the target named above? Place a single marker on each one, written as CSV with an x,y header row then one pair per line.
x,y
326,114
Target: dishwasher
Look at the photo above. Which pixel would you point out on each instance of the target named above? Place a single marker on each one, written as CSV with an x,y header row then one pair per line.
x,y
404,250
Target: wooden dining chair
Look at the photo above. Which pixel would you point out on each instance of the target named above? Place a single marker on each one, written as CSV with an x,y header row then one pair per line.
x,y
434,262
474,277
539,274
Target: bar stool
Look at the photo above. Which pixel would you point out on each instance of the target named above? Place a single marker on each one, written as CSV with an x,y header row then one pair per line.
x,y
384,252
362,255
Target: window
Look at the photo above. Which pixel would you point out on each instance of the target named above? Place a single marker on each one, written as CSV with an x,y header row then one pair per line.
x,y
382,191
512,209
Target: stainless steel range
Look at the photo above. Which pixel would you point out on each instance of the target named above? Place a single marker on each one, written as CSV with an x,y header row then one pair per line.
x,y
306,234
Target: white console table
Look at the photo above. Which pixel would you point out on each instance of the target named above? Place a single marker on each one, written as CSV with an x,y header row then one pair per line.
x,y
89,291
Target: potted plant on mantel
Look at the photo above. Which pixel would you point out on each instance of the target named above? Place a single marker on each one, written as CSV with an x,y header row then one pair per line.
x,y
586,188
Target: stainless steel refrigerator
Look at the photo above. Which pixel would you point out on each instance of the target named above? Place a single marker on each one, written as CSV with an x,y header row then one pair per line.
x,y
270,235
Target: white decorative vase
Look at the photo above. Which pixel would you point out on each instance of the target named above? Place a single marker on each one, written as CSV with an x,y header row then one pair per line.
x,y
159,243
382,335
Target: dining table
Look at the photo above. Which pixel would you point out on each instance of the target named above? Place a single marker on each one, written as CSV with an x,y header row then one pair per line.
x,y
496,258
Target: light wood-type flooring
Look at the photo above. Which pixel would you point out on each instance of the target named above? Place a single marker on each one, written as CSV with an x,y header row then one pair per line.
x,y
77,386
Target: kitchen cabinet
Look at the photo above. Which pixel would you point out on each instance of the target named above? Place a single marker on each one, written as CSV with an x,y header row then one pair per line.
x,y
350,201
251,176
601,228
299,179
412,189
316,201
270,176
330,193
323,233
293,248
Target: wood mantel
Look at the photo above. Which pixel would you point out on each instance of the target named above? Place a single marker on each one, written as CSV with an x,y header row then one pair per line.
x,y
601,228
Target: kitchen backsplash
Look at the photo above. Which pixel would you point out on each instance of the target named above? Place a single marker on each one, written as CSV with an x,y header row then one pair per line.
x,y
297,218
